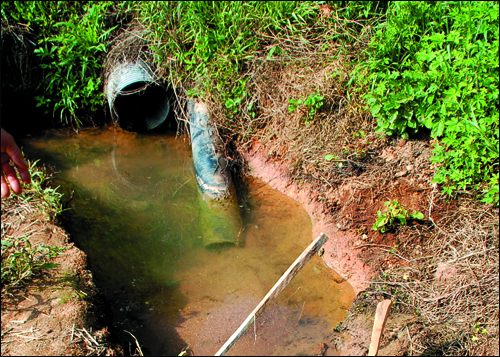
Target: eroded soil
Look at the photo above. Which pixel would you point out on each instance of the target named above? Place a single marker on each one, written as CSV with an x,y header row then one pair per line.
x,y
60,312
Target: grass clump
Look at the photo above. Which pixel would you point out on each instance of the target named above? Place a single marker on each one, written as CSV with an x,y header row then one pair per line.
x,y
206,46
20,257
71,44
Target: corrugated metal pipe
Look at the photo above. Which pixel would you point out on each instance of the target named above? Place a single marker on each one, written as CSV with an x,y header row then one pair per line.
x,y
137,99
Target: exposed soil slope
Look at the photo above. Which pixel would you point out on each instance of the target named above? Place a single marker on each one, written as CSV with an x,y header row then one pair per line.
x,y
59,311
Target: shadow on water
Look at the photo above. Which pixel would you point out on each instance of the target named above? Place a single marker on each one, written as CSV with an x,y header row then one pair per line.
x,y
131,253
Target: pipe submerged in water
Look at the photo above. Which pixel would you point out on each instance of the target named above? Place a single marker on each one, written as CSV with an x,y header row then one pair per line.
x,y
220,216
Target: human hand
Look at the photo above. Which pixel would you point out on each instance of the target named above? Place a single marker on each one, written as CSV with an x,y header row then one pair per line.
x,y
10,151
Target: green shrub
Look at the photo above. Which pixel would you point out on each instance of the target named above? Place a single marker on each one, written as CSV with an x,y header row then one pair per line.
x,y
387,220
434,65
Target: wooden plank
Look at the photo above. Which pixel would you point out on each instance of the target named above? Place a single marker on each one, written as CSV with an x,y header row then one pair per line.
x,y
378,326
312,249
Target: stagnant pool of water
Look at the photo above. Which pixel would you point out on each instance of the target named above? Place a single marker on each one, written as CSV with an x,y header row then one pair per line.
x,y
135,212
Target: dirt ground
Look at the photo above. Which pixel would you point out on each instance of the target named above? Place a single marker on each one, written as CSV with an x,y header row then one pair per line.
x,y
350,253
60,312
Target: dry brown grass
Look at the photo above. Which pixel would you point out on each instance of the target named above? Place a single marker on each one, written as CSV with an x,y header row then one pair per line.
x,y
452,283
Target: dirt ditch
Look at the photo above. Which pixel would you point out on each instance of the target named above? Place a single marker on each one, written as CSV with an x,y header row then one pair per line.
x,y
62,313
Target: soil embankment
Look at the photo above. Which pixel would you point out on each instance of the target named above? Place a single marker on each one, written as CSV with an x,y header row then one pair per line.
x,y
341,256
338,253
59,311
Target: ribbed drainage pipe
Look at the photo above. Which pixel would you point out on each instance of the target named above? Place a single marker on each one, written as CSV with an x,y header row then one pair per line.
x,y
220,215
136,98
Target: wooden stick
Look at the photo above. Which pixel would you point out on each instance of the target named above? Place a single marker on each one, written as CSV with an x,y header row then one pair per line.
x,y
276,289
378,326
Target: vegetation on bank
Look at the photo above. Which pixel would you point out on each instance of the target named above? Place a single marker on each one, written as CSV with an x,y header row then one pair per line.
x,y
421,69
20,258
428,66
435,66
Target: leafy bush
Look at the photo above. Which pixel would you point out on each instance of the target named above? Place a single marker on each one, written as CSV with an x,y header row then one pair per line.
x,y
435,65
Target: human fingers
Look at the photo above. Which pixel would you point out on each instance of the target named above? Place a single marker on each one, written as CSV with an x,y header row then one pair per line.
x,y
25,174
4,157
10,148
11,176
17,157
5,187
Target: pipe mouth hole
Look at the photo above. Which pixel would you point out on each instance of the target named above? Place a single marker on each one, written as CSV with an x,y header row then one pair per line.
x,y
141,106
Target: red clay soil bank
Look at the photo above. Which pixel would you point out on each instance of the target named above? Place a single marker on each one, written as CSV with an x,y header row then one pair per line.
x,y
338,254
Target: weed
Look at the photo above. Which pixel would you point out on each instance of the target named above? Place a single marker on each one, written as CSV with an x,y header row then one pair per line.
x,y
207,44
71,46
21,259
394,211
313,101
72,59
47,198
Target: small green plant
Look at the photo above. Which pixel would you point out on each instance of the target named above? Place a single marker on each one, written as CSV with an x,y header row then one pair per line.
x,y
393,214
313,101
479,330
20,259
48,198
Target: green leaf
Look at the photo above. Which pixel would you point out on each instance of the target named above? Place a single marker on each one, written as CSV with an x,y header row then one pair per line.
x,y
375,109
417,215
330,157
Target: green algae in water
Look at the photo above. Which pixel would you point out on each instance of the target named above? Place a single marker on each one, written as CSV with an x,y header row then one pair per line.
x,y
135,208
220,221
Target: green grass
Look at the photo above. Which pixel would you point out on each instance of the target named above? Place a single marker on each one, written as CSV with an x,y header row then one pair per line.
x,y
20,258
207,46
71,47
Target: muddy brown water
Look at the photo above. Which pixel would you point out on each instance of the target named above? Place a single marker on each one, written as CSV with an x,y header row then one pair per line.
x,y
135,213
